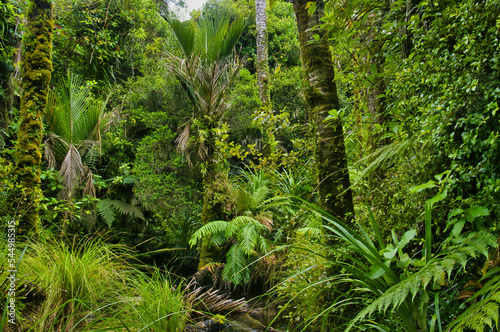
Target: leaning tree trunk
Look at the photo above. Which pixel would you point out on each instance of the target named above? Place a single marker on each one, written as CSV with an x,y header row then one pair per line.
x,y
36,74
331,160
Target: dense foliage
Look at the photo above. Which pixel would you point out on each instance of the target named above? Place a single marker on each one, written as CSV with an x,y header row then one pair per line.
x,y
364,195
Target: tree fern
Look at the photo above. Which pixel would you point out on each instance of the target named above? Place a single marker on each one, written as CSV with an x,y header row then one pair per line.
x,y
246,231
236,269
106,212
208,230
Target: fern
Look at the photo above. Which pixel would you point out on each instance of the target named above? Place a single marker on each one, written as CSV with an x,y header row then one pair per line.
x,y
108,210
236,269
483,313
208,230
248,238
127,209
404,292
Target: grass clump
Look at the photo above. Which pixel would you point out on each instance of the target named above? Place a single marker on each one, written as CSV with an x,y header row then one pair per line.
x,y
79,278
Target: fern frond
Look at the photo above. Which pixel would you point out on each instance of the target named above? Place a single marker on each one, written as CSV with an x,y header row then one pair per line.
x,y
106,211
242,221
247,238
127,209
208,230
309,231
484,313
236,269
386,155
406,290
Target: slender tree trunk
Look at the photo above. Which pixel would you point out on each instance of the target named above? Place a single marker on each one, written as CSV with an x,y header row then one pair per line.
x,y
262,53
36,74
215,194
333,176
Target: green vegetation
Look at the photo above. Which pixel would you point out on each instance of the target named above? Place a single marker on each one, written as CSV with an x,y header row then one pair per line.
x,y
339,159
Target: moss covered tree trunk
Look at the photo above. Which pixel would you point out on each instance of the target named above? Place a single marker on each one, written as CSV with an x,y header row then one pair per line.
x,y
321,95
215,198
36,73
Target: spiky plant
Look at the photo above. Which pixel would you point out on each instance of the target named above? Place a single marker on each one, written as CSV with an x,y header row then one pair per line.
x,y
77,123
397,292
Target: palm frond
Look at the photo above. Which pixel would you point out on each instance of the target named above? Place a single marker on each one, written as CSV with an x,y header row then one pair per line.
x,y
185,33
71,171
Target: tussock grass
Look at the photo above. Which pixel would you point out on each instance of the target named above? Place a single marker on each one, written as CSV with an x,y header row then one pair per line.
x,y
79,277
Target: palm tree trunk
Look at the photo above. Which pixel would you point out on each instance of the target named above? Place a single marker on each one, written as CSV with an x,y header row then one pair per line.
x,y
215,196
321,95
36,74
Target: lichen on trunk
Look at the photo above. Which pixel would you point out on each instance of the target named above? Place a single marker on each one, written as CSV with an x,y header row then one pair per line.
x,y
36,74
321,95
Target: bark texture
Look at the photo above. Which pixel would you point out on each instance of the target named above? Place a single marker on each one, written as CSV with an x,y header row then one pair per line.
x,y
262,52
216,202
36,74
321,95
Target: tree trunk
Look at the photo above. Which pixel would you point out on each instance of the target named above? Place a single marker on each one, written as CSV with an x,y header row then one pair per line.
x,y
333,175
262,53
215,199
36,74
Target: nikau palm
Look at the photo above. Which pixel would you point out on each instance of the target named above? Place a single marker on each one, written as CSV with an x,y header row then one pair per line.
x,y
206,70
76,122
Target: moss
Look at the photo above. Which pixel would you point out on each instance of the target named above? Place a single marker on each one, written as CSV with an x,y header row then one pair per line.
x,y
36,74
321,95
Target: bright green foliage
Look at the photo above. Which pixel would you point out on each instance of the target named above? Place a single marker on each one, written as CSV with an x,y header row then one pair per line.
x,y
107,41
405,289
77,278
451,92
77,124
249,242
158,305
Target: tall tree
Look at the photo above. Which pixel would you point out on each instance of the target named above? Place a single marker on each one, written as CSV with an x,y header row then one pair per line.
x,y
36,74
206,71
321,95
262,51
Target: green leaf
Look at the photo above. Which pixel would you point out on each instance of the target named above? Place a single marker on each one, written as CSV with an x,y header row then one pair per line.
x,y
375,271
311,8
430,184
439,197
477,211
457,228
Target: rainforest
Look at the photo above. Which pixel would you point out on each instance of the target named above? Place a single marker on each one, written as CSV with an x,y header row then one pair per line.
x,y
289,165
